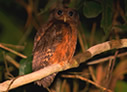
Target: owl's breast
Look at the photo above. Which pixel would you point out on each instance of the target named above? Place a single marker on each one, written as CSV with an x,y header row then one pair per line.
x,y
66,48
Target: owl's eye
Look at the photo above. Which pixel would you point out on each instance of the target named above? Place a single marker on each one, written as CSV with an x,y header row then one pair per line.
x,y
59,12
70,13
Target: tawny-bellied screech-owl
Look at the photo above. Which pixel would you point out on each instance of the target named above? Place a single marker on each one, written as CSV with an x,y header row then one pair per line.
x,y
55,42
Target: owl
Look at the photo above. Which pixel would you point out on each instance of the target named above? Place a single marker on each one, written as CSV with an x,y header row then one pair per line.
x,y
55,42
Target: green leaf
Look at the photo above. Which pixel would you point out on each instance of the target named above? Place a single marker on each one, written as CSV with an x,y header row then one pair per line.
x,y
26,66
107,13
121,86
92,9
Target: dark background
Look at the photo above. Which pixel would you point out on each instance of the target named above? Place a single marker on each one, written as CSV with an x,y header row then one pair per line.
x,y
100,21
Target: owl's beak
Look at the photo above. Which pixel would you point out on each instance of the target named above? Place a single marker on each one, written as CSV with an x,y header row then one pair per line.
x,y
65,19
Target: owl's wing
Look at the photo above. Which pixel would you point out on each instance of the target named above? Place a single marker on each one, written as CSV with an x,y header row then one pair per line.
x,y
40,53
45,43
40,34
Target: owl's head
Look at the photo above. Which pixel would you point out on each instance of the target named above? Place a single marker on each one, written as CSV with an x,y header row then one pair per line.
x,y
67,15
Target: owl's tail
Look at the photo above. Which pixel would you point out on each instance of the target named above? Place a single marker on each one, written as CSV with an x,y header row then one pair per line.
x,y
46,82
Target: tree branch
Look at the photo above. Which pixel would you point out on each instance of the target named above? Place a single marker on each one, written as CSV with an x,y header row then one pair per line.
x,y
13,51
80,58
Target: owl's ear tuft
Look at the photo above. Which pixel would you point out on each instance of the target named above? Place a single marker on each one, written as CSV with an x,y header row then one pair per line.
x,y
51,12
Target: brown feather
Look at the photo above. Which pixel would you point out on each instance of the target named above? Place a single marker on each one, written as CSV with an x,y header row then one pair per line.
x,y
55,42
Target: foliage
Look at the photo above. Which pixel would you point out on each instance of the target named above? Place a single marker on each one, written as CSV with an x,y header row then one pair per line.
x,y
100,20
25,66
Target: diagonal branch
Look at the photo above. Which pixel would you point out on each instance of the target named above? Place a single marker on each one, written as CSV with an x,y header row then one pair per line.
x,y
87,80
80,58
13,51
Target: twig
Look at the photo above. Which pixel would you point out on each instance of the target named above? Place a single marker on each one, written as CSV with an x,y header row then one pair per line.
x,y
82,38
93,30
63,85
10,84
13,46
81,41
9,75
13,51
92,73
105,59
99,73
25,79
82,57
112,67
113,62
87,80
11,60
